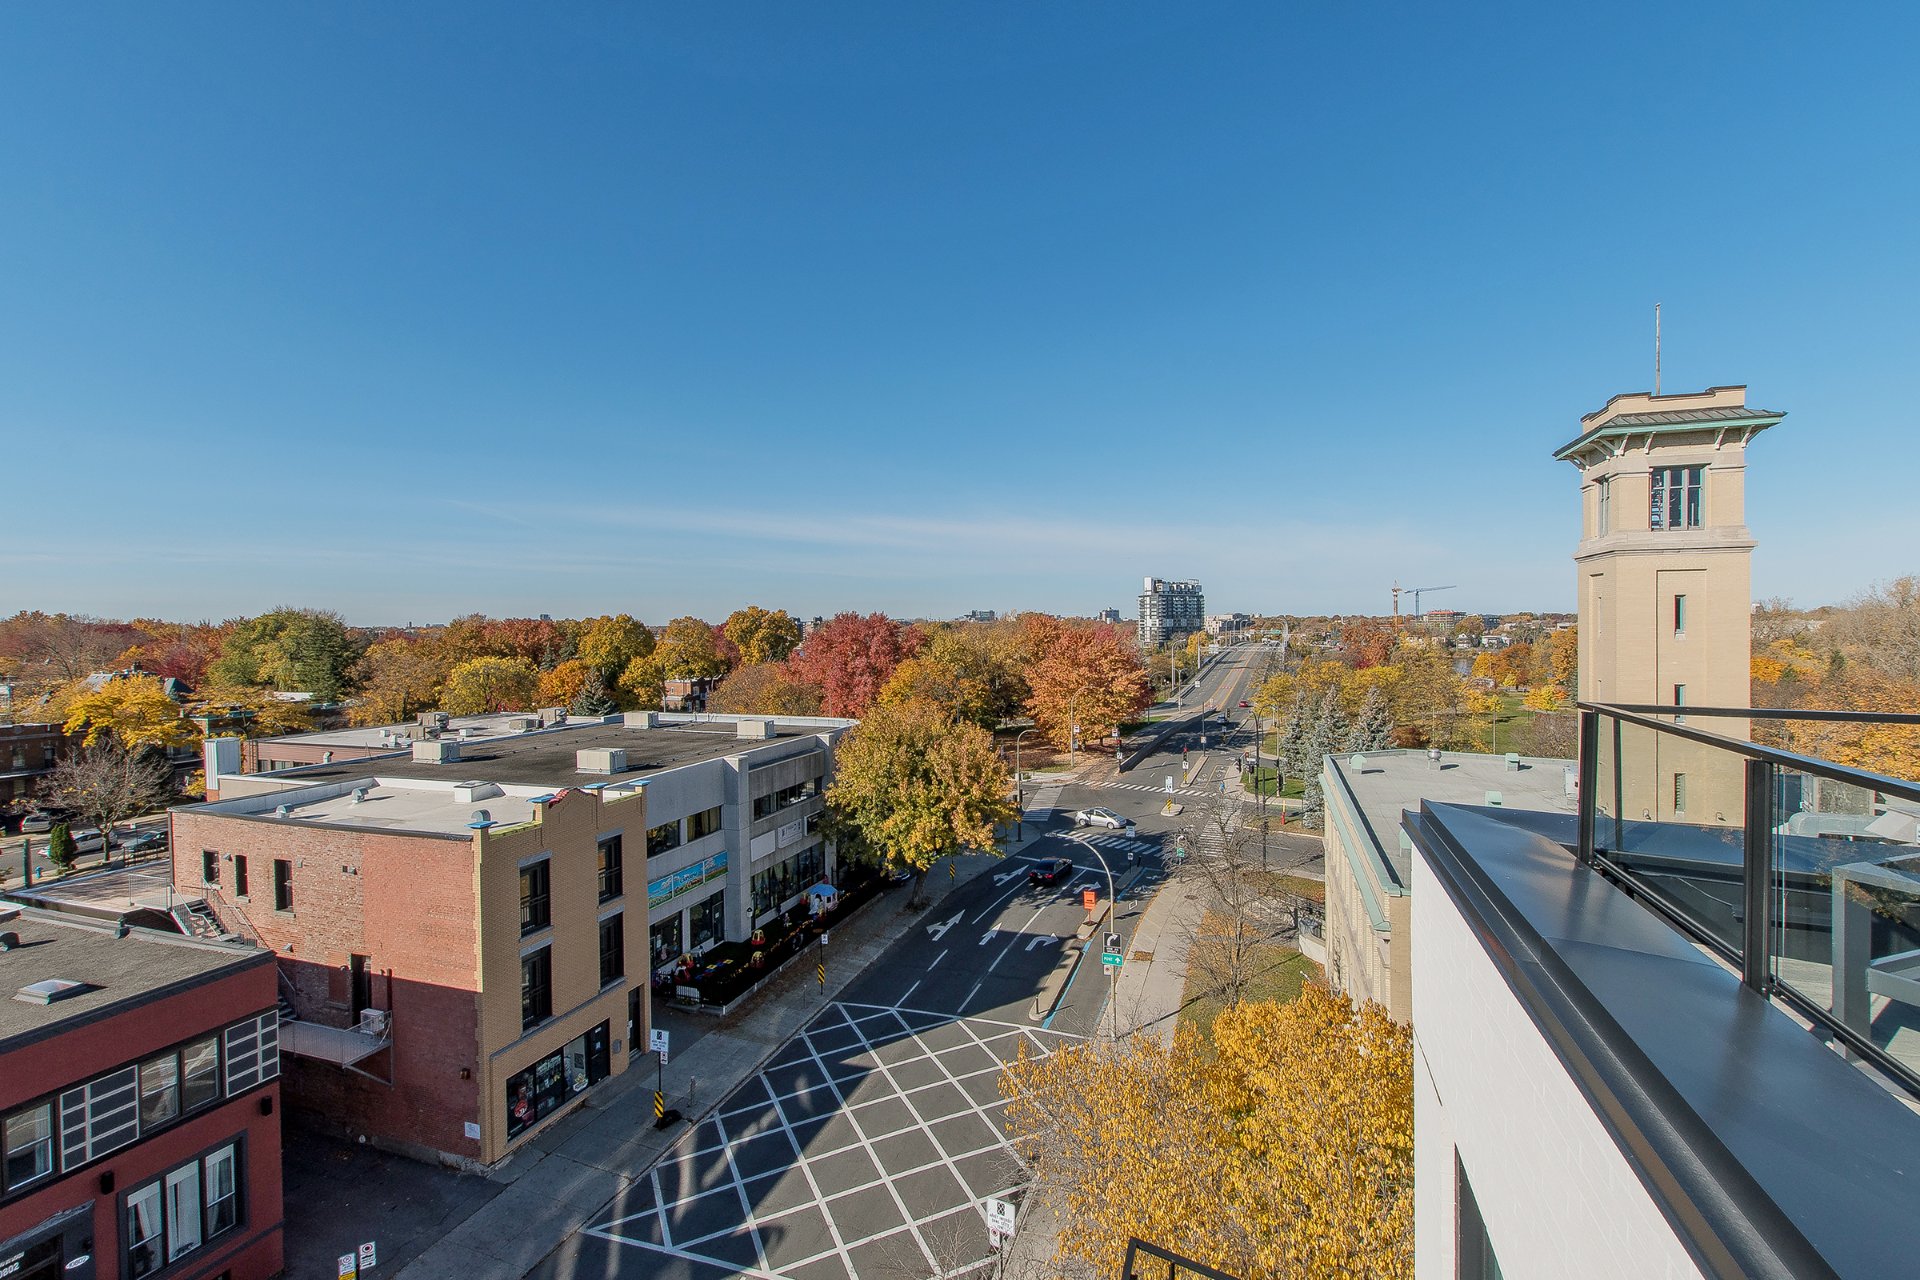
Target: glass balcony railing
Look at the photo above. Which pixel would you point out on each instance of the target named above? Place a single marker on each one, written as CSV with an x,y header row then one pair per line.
x,y
1801,872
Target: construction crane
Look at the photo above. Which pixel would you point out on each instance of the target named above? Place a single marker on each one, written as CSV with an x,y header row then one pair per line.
x,y
1416,593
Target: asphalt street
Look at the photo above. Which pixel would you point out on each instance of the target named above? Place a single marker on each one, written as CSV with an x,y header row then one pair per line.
x,y
868,1143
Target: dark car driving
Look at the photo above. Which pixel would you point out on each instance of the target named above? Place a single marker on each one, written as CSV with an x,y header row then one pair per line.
x,y
1052,871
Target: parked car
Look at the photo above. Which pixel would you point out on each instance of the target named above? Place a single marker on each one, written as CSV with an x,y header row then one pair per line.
x,y
36,824
144,841
1099,817
1050,872
89,840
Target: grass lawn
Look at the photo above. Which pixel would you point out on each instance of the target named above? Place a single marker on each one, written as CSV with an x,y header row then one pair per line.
x,y
1299,886
1295,787
1277,974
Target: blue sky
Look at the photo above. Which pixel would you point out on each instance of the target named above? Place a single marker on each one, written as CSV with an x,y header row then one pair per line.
x,y
411,311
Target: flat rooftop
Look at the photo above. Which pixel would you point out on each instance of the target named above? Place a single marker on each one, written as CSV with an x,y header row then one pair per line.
x,y
1391,782
405,733
114,970
400,793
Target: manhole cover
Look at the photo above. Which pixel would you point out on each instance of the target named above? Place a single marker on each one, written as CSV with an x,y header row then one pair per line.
x,y
1143,955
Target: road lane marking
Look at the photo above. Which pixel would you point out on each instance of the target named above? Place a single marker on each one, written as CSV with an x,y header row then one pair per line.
x,y
970,995
909,991
936,960
1038,940
988,936
938,931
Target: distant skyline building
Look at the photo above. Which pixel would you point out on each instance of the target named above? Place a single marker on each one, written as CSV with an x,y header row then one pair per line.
x,y
1107,615
1169,610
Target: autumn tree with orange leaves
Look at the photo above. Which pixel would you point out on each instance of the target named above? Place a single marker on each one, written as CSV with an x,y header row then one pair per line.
x,y
1283,1146
1091,676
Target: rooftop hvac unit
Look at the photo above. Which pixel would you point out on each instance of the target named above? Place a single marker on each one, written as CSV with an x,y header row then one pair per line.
x,y
607,760
439,751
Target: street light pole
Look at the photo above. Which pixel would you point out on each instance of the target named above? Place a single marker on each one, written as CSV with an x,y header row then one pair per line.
x,y
1260,789
1019,784
1113,918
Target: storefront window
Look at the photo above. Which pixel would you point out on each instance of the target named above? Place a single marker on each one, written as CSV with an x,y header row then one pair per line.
x,y
710,920
540,1090
665,941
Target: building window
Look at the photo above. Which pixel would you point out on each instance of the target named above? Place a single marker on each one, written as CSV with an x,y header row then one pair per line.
x,y
1679,700
1675,498
774,801
662,838
282,885
200,1073
159,1091
1473,1247
709,920
209,867
1679,615
1605,504
1679,794
611,885
253,1052
28,1138
536,907
539,1091
703,823
239,875
536,988
99,1116
180,1212
613,948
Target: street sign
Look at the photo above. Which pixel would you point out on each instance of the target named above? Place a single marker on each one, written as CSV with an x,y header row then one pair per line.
x,y
1111,958
349,1266
999,1221
1169,784
1090,899
368,1255
657,1041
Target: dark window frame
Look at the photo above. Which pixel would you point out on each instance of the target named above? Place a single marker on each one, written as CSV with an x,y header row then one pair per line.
x,y
613,962
536,987
164,1266
210,866
536,896
52,1142
610,868
239,875
283,884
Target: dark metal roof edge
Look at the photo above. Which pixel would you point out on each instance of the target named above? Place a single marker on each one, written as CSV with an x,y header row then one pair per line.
x,y
1727,1222
1763,418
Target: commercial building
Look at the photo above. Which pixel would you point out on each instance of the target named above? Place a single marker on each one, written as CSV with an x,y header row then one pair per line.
x,y
459,926
1169,610
1665,579
138,1091
1368,858
1227,624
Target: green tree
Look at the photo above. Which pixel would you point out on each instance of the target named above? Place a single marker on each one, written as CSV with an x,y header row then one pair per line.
x,y
60,848
643,683
762,636
480,686
398,678
293,650
972,679
1373,727
133,711
918,785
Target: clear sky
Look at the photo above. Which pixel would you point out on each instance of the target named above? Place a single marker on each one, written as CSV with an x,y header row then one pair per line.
x,y
411,310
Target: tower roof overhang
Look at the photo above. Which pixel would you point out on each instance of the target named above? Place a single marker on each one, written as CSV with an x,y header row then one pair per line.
x,y
1620,428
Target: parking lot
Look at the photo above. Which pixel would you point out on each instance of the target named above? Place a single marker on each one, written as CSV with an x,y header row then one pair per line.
x,y
864,1148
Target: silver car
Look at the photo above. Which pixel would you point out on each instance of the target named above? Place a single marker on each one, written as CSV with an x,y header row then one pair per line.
x,y
1098,817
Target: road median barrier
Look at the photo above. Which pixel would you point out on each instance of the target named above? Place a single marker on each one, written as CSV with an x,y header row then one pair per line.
x,y
1055,984
1171,809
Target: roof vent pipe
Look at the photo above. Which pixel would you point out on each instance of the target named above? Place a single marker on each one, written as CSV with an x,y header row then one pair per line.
x,y
283,811
9,940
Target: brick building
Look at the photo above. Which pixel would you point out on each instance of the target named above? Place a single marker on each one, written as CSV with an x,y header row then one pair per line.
x,y
28,754
138,1091
459,926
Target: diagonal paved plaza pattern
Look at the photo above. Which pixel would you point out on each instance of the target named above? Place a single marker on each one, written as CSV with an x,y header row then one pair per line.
x,y
864,1149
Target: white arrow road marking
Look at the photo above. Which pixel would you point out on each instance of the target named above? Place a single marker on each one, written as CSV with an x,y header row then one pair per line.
x,y
1005,876
1037,941
988,936
937,931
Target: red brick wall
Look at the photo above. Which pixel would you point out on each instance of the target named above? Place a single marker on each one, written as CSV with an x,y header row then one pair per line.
x,y
31,1071
408,904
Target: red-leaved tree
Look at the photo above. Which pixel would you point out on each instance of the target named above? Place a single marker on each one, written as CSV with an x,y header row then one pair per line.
x,y
852,657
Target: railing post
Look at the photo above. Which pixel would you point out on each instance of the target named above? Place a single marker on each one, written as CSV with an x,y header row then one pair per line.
x,y
1757,877
1589,780
1619,792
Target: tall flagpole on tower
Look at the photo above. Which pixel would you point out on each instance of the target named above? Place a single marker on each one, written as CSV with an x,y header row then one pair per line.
x,y
1656,348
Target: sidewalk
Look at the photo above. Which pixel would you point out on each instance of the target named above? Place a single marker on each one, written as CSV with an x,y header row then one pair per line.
x,y
562,1179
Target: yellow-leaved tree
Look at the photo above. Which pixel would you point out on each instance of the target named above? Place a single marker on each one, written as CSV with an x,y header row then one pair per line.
x,y
1281,1147
914,785
132,711
480,686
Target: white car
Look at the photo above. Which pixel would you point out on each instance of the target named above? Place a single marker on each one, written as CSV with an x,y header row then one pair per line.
x,y
1099,818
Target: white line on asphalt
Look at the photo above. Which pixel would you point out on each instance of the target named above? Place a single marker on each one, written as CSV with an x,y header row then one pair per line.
x,y
937,959
988,936
909,991
970,995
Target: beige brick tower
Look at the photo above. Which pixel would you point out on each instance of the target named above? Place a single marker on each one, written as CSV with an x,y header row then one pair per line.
x,y
1665,581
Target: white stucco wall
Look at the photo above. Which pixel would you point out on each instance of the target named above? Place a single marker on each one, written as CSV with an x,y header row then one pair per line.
x,y
1558,1198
